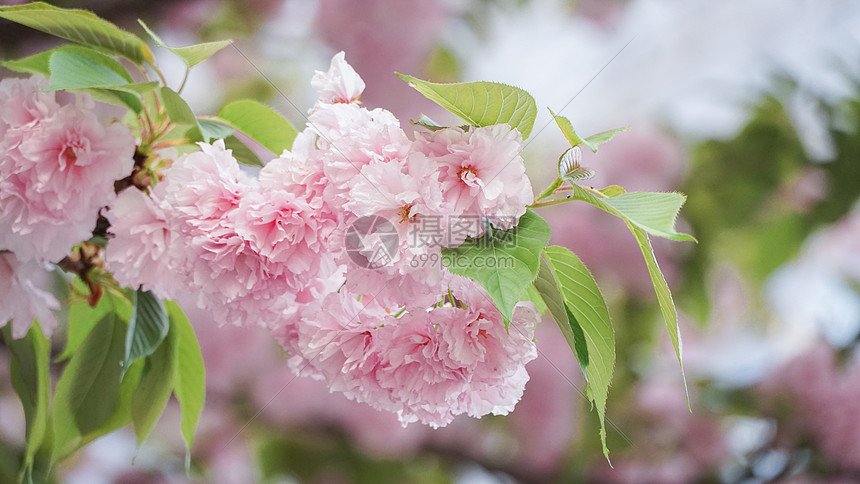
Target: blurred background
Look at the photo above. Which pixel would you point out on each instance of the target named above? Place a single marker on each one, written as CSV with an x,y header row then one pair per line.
x,y
751,108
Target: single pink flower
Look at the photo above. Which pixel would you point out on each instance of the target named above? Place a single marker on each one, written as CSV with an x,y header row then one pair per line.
x,y
58,170
481,172
201,187
340,84
473,335
424,386
74,159
351,137
284,231
337,342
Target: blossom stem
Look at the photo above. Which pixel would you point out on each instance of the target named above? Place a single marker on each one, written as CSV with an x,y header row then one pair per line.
x,y
170,142
596,192
160,75
162,130
549,191
184,78
568,198
147,126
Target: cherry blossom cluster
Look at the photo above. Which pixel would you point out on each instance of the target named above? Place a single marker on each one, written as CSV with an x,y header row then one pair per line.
x,y
320,247
425,364
58,164
243,247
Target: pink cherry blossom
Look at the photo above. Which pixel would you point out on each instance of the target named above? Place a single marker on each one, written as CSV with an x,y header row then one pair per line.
x,y
72,152
427,365
284,231
279,250
196,195
201,187
481,172
138,253
341,84
351,137
25,295
408,196
415,373
300,172
385,190
452,360
246,249
478,339
337,342
219,262
58,170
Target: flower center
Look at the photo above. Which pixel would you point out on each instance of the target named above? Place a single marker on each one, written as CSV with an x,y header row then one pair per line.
x,y
404,213
340,100
69,156
468,175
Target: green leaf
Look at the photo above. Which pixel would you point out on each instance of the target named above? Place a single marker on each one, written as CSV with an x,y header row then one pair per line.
x,y
146,329
79,26
586,309
154,391
598,139
94,394
547,286
117,98
653,212
82,317
72,70
260,123
581,345
481,103
34,64
533,295
40,63
211,129
504,262
612,190
207,129
592,142
69,55
177,109
135,87
189,371
664,298
29,358
122,415
105,79
241,152
88,391
641,220
192,54
567,130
